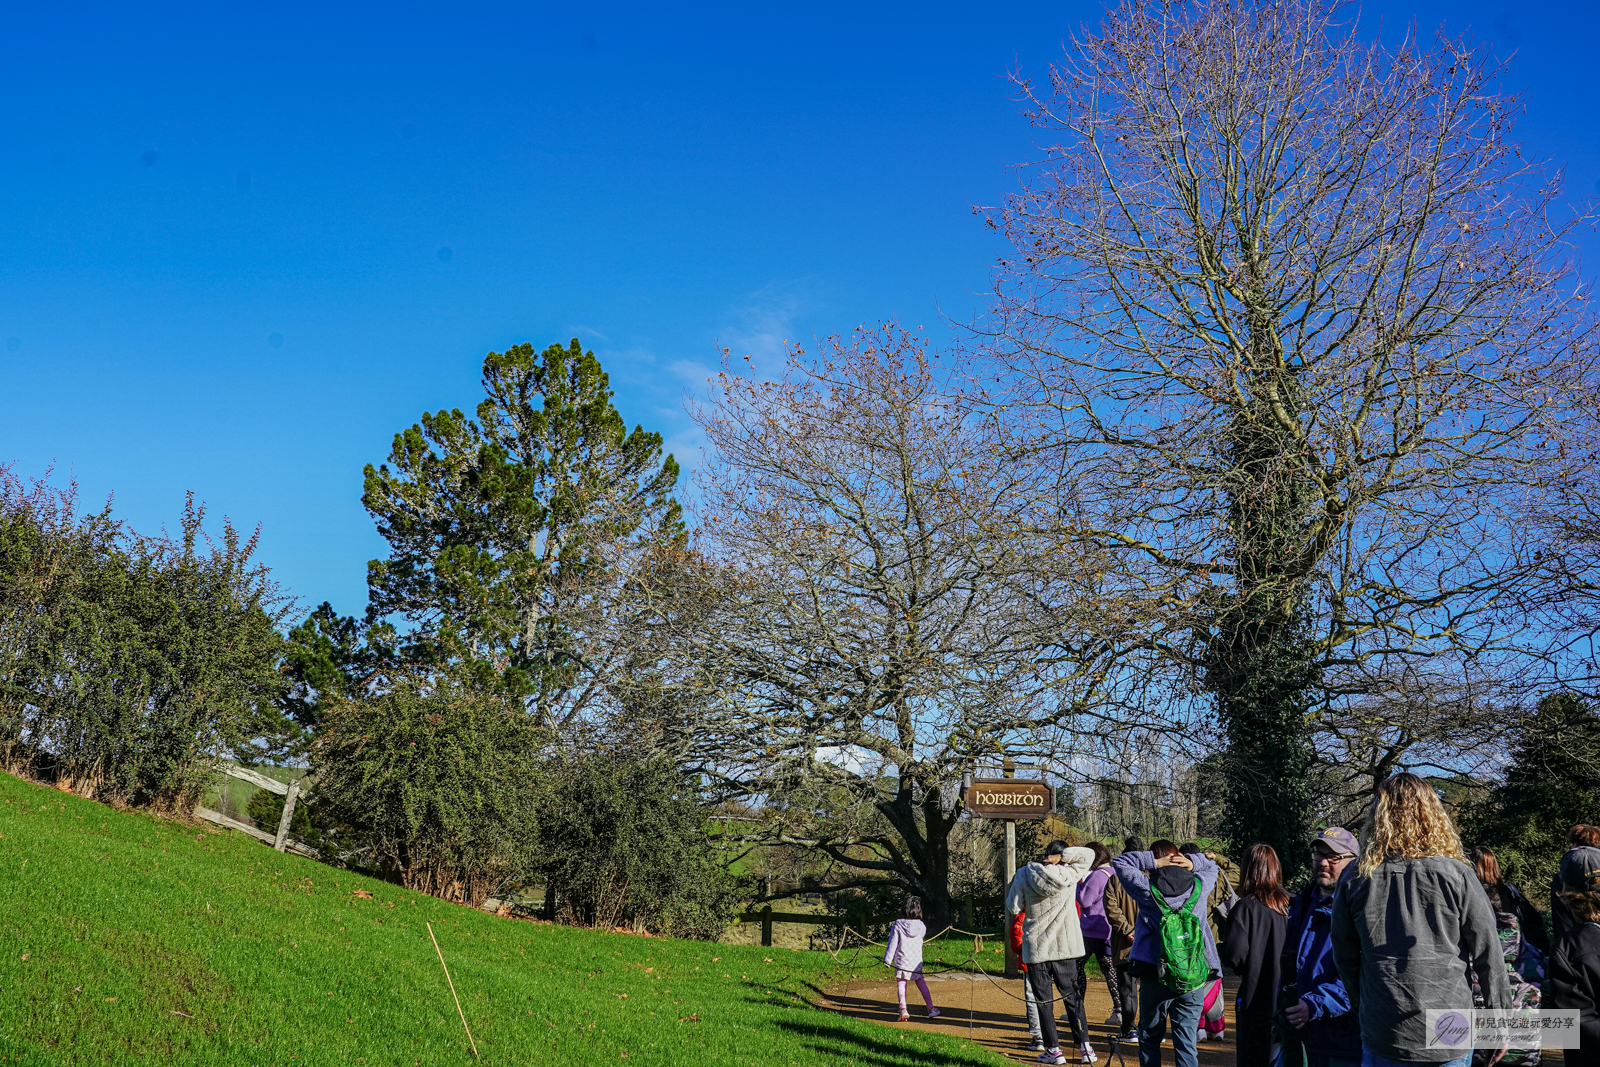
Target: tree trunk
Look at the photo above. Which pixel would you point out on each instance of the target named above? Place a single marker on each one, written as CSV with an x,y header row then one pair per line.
x,y
1260,681
938,908
1260,664
925,865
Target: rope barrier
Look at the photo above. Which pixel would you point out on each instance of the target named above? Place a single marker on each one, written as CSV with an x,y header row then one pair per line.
x,y
973,958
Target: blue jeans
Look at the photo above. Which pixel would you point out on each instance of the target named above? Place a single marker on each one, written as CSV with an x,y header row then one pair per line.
x,y
1158,1004
1369,1059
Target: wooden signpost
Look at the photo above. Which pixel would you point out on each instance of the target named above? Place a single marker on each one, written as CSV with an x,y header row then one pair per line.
x,y
1010,799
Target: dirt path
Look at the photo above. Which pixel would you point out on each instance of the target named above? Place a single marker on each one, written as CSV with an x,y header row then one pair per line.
x,y
998,1023
994,1009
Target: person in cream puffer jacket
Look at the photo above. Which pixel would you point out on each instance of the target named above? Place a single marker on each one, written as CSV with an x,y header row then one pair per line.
x,y
1052,942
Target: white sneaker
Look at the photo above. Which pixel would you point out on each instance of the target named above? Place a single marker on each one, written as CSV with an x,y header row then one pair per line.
x,y
1052,1055
1088,1055
1115,1019
1201,1036
1037,1045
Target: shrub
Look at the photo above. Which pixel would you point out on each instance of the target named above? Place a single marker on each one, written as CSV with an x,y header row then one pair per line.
x,y
441,777
623,841
130,666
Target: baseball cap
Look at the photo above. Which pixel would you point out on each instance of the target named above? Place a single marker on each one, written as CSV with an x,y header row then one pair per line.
x,y
1580,869
1339,839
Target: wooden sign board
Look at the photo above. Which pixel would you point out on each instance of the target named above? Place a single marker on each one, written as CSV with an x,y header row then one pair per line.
x,y
1010,798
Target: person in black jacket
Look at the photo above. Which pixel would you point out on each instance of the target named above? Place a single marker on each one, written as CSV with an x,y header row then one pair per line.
x,y
1574,977
1252,949
1583,836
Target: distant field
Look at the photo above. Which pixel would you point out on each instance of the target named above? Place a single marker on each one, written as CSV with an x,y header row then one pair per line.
x,y
230,796
128,939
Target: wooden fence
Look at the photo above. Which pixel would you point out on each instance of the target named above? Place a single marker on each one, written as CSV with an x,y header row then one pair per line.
x,y
291,793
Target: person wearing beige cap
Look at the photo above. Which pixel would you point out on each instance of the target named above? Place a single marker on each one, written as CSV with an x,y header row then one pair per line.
x,y
1318,1014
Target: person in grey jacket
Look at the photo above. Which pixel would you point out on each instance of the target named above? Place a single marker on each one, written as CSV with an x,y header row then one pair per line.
x,y
1169,872
1052,943
1407,920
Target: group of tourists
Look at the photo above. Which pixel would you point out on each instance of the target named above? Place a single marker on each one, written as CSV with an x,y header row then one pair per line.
x,y
1339,975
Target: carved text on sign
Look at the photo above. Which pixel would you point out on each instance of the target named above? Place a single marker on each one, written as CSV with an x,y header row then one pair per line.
x,y
1008,798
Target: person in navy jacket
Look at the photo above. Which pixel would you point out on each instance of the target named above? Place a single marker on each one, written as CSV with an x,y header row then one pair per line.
x,y
1320,1018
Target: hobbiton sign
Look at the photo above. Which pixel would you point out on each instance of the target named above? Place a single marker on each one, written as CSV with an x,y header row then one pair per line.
x,y
1010,798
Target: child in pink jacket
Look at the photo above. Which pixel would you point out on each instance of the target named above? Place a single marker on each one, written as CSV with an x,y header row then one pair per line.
x,y
904,954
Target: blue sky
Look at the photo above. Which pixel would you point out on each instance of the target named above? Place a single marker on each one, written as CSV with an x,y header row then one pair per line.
x,y
242,246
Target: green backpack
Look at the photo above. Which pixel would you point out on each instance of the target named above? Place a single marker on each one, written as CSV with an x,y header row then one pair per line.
x,y
1183,963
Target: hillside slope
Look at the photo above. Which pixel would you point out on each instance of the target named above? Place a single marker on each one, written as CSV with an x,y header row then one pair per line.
x,y
127,939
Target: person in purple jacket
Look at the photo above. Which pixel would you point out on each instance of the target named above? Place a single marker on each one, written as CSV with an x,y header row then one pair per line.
x,y
1097,928
1169,872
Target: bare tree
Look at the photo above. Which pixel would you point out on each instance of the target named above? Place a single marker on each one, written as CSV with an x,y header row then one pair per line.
x,y
1567,600
881,616
1430,717
1297,321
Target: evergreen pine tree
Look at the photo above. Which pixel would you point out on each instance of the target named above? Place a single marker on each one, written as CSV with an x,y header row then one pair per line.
x,y
501,530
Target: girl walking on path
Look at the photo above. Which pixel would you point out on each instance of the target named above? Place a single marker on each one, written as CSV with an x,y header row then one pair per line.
x,y
904,954
1252,949
1406,924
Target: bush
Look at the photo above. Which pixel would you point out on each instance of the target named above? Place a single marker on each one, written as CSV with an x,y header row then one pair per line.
x,y
624,842
442,778
129,666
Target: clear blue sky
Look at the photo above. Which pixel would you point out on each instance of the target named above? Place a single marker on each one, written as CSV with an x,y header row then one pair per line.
x,y
242,245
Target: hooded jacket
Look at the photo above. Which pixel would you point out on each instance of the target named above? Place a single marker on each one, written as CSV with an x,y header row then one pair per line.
x,y
1134,872
904,950
1402,939
1047,893
1575,983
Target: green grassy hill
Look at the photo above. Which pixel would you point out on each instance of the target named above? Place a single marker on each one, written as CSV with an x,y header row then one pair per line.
x,y
129,939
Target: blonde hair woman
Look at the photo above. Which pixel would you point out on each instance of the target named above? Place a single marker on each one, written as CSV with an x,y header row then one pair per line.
x,y
1406,922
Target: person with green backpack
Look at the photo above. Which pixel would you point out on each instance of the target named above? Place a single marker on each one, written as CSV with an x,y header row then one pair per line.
x,y
1174,953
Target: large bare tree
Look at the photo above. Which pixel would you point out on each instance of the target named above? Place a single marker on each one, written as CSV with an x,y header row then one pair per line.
x,y
882,615
1298,322
1567,601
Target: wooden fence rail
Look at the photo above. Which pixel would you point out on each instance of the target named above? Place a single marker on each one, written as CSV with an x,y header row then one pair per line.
x,y
291,792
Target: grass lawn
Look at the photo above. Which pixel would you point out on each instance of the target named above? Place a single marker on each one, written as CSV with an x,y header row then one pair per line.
x,y
129,939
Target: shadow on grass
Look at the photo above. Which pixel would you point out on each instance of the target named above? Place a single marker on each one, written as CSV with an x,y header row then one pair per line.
x,y
951,1012
839,1044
